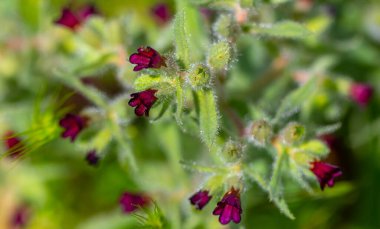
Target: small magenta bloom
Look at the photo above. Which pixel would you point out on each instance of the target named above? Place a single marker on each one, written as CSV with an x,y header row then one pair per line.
x,y
200,199
13,144
73,125
162,13
146,58
143,101
92,158
132,201
361,93
325,173
20,217
73,19
229,208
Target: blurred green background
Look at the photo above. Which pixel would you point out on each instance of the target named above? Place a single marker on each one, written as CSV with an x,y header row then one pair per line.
x,y
60,190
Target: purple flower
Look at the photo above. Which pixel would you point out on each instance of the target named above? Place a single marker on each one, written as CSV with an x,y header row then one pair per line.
x,y
325,173
131,201
200,199
161,13
13,144
73,19
146,58
361,93
229,208
92,158
143,101
73,125
20,217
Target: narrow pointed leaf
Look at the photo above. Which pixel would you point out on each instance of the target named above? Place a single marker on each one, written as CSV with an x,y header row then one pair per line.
x,y
208,116
296,99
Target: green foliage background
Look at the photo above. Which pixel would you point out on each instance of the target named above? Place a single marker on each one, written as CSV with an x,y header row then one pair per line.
x,y
41,62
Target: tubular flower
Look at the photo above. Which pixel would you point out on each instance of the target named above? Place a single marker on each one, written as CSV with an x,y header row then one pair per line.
x,y
146,58
143,101
73,19
92,158
200,199
73,125
361,93
229,208
325,173
132,201
13,144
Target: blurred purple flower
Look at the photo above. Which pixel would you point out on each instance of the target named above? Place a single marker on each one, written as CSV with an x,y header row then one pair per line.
x,y
92,158
146,58
20,217
132,201
162,13
200,199
73,19
330,140
206,13
143,101
73,125
13,144
361,93
326,173
229,208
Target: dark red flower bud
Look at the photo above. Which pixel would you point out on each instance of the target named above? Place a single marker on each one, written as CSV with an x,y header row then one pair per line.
x,y
361,93
73,125
325,173
143,101
13,144
132,201
229,208
200,199
146,58
73,19
92,158
162,13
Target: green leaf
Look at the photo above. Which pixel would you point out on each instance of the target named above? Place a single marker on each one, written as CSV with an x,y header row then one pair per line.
x,y
215,182
284,209
256,176
96,65
275,185
284,29
279,1
297,174
315,148
201,168
181,40
144,82
91,93
328,129
164,108
208,116
31,12
191,36
296,99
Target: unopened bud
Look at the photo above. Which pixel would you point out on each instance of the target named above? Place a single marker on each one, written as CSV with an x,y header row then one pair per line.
x,y
260,132
223,27
199,76
219,56
232,151
293,133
